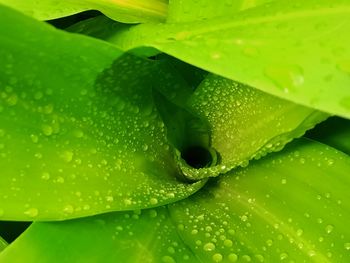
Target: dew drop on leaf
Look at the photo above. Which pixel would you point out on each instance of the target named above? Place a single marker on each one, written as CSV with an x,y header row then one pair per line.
x,y
32,212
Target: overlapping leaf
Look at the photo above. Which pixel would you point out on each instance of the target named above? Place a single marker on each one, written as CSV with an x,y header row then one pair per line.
x,y
75,141
130,11
245,123
140,236
295,50
291,206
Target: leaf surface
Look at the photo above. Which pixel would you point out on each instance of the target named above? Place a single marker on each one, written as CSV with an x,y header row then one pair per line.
x,y
129,11
291,206
77,141
295,50
141,236
245,123
195,10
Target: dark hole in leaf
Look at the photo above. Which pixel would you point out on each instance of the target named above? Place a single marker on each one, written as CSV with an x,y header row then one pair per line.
x,y
197,156
10,230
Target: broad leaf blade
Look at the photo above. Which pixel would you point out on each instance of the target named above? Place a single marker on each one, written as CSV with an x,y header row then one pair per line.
x,y
246,123
148,236
131,11
291,206
75,141
195,10
295,50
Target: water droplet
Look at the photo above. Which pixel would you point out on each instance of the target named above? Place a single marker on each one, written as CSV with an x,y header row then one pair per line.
x,y
216,55
299,232
47,130
12,100
232,257
209,247
228,243
283,256
60,180
269,242
217,257
109,198
67,156
145,147
32,212
347,246
153,201
45,176
244,218
34,138
329,229
246,258
168,259
68,209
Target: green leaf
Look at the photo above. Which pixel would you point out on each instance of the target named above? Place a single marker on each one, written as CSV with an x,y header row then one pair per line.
x,y
130,11
291,206
194,10
334,132
75,141
296,50
3,244
245,123
147,236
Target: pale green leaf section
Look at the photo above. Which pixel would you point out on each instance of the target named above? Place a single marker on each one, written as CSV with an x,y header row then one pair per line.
x,y
292,206
3,244
128,11
246,123
296,50
194,10
147,236
75,141
334,132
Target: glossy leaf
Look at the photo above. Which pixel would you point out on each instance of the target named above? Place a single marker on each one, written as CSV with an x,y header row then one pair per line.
x,y
334,132
130,11
148,236
246,123
195,10
295,50
291,206
75,141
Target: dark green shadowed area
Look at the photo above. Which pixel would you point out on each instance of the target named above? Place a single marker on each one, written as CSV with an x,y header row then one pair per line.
x,y
10,230
197,156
